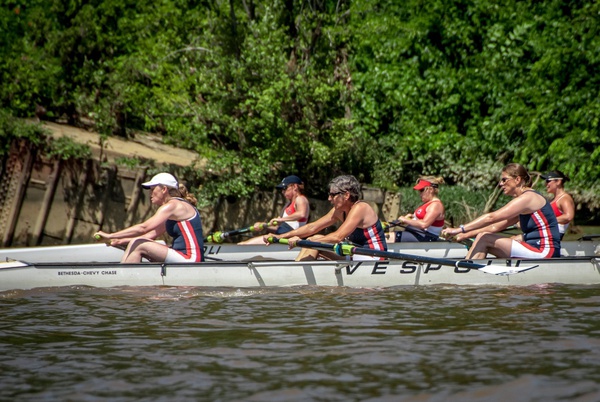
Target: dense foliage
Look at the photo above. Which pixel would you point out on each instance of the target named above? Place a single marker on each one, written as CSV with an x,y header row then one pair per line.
x,y
63,148
385,90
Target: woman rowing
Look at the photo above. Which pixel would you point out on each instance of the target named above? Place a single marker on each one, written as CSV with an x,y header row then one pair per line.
x,y
294,214
175,215
426,223
540,239
562,203
359,223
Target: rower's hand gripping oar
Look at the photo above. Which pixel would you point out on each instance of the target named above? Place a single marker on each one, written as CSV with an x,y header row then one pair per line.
x,y
109,242
99,237
219,237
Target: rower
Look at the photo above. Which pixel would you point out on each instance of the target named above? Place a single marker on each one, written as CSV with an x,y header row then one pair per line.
x,y
426,223
540,239
359,223
175,215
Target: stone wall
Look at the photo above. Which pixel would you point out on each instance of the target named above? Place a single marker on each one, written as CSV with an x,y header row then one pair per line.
x,y
49,201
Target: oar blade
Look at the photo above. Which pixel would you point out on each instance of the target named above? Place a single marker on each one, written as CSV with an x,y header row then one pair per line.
x,y
504,270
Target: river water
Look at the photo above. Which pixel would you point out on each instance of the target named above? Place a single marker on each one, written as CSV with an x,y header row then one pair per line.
x,y
537,343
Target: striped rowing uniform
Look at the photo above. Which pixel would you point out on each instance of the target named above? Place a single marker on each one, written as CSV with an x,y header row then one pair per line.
x,y
188,240
372,237
541,238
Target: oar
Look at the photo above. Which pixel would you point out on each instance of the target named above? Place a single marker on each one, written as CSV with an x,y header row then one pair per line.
x,y
219,237
108,242
412,230
303,243
467,242
348,249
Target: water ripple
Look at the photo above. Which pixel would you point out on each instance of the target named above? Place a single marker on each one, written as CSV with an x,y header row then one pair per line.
x,y
306,343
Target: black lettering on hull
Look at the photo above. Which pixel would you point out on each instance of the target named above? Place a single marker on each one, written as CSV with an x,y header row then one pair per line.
x,y
408,267
211,250
379,268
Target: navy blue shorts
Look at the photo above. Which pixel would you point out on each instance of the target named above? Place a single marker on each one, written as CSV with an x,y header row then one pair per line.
x,y
283,228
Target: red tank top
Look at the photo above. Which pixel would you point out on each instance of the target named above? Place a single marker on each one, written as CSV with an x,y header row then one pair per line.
x,y
422,211
291,209
554,205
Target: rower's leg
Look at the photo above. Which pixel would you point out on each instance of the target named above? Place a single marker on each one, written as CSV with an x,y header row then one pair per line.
x,y
141,247
307,254
492,243
258,240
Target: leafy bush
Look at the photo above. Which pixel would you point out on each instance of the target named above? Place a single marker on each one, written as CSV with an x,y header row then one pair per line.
x,y
382,90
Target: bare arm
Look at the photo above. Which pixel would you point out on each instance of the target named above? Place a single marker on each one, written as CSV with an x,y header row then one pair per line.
x,y
567,206
493,228
301,212
151,228
524,204
435,210
312,228
355,219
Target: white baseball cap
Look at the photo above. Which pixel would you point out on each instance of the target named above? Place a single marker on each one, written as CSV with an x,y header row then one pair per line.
x,y
166,179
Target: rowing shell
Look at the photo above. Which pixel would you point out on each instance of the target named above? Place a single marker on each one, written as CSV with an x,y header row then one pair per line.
x,y
99,252
386,273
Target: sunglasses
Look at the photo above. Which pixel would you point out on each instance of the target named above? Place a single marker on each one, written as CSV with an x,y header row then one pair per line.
x,y
549,180
505,179
337,193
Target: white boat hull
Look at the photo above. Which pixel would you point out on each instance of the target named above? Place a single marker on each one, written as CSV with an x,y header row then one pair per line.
x,y
386,273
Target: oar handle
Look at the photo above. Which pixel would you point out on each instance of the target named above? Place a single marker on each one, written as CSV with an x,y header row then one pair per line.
x,y
97,237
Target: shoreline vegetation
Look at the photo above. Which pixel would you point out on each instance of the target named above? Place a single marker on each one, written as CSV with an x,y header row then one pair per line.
x,y
379,90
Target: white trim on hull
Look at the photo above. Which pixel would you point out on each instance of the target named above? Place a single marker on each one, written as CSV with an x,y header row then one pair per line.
x,y
17,275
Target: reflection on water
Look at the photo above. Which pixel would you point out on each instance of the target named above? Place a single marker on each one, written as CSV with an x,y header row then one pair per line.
x,y
307,343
